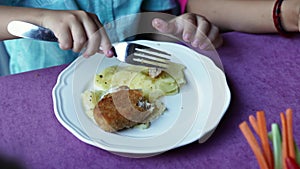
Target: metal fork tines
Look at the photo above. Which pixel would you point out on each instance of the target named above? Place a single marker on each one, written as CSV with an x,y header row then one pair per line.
x,y
137,54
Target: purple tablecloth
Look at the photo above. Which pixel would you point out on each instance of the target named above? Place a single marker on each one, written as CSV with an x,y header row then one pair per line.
x,y
262,73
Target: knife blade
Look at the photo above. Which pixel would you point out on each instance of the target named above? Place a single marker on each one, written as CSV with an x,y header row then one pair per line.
x,y
30,31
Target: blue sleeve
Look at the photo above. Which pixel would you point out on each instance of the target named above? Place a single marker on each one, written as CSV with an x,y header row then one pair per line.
x,y
6,2
159,5
47,4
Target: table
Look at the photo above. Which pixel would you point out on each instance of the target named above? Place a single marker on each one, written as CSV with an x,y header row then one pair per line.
x,y
262,73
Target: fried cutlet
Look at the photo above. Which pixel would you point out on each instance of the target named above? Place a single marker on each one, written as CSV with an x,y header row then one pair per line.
x,y
121,109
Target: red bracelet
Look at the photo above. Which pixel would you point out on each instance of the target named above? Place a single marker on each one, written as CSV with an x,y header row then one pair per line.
x,y
277,19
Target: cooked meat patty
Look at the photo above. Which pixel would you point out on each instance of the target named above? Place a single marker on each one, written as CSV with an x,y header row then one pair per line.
x,y
121,109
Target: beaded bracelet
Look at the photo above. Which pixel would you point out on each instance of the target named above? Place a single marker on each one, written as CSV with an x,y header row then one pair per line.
x,y
277,19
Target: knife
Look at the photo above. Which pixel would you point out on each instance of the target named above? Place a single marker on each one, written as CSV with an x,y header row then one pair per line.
x,y
30,31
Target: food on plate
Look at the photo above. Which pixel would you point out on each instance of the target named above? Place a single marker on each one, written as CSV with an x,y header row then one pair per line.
x,y
89,99
123,97
277,148
122,108
167,82
154,72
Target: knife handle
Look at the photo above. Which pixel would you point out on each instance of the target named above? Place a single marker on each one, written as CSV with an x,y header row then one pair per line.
x,y
30,31
43,34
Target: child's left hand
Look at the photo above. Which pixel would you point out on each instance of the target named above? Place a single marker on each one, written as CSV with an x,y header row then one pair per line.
x,y
193,29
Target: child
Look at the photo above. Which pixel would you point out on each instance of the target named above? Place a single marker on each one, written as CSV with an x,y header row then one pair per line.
x,y
259,16
75,22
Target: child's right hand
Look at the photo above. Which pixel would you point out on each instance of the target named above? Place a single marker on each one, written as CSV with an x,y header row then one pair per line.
x,y
76,30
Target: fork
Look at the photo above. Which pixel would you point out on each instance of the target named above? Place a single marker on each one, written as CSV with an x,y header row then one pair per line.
x,y
128,52
137,54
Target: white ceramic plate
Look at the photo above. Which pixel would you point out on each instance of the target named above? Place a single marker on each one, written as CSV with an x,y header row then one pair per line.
x,y
192,114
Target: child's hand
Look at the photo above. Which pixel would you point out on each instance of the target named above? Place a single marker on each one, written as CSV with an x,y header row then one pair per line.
x,y
77,30
191,28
